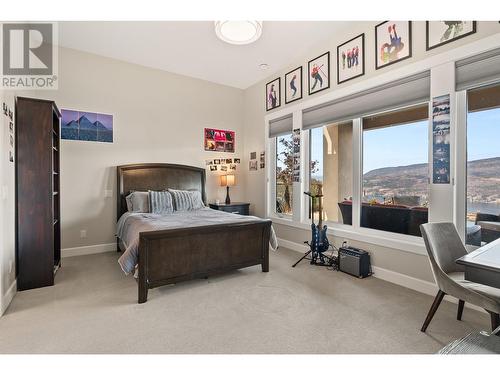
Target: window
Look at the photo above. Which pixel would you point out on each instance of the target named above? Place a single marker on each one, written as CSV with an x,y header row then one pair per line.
x,y
284,171
483,165
331,170
395,187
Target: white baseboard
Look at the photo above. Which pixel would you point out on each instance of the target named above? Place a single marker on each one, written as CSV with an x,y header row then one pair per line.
x,y
397,278
293,245
86,250
8,297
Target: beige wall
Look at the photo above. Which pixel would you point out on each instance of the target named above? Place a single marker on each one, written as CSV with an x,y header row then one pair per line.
x,y
255,139
7,207
158,117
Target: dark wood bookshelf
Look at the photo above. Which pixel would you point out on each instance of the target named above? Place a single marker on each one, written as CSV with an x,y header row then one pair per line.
x,y
37,192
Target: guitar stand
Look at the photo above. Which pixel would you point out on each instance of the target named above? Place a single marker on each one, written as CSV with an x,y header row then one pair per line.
x,y
332,260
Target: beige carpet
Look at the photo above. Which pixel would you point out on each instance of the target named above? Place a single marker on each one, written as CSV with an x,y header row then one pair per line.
x,y
92,309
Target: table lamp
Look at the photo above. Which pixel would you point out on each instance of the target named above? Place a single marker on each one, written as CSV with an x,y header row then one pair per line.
x,y
227,180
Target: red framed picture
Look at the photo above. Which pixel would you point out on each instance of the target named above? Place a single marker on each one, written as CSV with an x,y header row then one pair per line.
x,y
219,140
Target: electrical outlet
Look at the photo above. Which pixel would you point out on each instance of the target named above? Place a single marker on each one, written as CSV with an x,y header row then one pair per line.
x,y
108,193
83,233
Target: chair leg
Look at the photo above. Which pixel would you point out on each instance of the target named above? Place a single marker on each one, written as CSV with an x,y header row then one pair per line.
x,y
437,301
460,310
495,320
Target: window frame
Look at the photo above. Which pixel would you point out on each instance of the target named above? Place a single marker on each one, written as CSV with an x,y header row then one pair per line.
x,y
429,159
307,218
460,191
274,184
446,202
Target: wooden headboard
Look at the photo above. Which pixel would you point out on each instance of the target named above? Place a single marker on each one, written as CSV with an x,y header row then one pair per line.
x,y
156,176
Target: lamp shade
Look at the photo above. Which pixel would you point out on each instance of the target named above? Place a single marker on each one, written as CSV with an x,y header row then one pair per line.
x,y
227,180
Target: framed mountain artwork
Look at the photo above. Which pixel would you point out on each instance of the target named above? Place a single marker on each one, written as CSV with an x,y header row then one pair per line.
x,y
86,126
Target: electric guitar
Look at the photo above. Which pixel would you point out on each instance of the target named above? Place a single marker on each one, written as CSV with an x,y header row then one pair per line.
x,y
319,241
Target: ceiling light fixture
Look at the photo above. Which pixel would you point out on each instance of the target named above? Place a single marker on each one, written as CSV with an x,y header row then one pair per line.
x,y
263,66
238,32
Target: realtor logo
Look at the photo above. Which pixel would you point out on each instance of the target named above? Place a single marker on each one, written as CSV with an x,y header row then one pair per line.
x,y
29,56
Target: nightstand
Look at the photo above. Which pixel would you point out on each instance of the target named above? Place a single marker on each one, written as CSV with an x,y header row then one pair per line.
x,y
241,208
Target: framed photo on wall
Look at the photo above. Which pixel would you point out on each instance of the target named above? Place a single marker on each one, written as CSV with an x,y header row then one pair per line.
x,y
293,85
392,42
351,59
273,94
318,73
443,32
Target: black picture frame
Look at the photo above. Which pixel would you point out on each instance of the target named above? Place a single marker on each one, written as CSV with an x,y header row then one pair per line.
x,y
301,85
398,60
279,94
362,60
309,74
428,48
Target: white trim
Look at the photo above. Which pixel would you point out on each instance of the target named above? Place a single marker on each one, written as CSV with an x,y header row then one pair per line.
x,y
86,250
300,247
419,285
460,196
394,241
8,297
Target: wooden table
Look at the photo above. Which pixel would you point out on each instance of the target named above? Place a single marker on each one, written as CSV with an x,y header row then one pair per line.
x,y
482,265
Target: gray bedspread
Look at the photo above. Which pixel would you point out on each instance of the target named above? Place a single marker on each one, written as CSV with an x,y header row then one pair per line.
x,y
131,224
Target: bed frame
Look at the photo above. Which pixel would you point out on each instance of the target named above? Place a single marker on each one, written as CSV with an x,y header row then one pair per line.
x,y
174,255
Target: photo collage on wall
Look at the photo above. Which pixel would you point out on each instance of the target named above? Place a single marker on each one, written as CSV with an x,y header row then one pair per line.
x,y
441,140
222,164
252,164
296,155
262,161
219,140
9,119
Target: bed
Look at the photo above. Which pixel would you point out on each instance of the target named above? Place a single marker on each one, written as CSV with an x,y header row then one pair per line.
x,y
186,245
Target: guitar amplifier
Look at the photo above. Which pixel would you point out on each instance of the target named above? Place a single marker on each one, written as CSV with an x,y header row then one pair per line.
x,y
354,261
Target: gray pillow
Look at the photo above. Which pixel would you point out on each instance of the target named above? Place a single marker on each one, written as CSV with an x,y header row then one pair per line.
x,y
197,200
187,200
160,202
138,201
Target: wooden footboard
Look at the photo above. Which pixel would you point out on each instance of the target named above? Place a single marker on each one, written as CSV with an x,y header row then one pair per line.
x,y
171,256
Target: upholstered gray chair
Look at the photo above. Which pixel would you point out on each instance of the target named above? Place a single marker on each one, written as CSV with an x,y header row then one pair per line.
x,y
445,247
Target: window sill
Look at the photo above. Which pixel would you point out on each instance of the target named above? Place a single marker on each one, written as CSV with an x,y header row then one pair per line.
x,y
400,242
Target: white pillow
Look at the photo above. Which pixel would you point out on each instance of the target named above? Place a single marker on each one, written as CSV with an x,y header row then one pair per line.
x,y
137,201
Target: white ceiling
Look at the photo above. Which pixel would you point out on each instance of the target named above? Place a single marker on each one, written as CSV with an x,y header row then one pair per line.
x,y
191,48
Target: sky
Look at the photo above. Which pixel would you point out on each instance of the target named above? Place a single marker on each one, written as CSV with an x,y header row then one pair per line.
x,y
408,144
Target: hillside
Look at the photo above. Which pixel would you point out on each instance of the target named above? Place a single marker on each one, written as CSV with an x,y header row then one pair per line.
x,y
483,184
